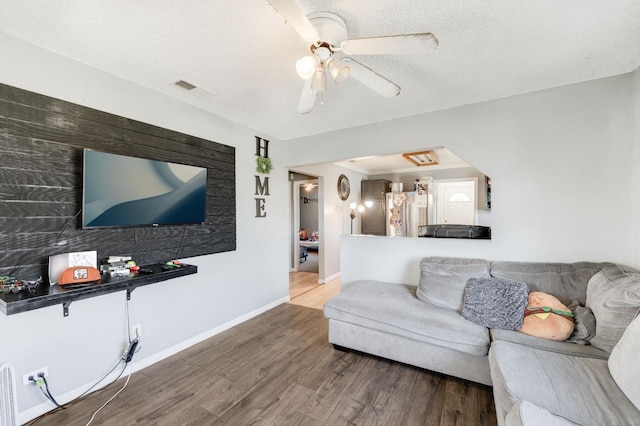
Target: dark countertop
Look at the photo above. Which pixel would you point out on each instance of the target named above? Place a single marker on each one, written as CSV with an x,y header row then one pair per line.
x,y
46,295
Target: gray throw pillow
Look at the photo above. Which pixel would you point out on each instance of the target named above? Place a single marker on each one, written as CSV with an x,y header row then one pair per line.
x,y
613,295
495,303
623,362
585,324
442,279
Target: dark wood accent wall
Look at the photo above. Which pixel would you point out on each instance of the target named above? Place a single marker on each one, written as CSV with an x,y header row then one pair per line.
x,y
42,141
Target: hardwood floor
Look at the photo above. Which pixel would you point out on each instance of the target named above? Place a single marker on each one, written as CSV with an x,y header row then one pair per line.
x,y
317,296
279,369
301,282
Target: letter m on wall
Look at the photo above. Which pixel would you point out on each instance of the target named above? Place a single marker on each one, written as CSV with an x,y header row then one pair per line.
x,y
262,187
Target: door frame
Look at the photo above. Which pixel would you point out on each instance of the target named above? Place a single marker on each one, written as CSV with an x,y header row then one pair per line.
x,y
294,263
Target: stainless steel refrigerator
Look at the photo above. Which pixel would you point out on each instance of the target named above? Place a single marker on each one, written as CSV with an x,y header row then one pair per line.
x,y
407,211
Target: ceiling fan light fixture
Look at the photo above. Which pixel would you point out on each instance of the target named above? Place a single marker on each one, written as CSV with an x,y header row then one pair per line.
x,y
319,81
338,70
306,66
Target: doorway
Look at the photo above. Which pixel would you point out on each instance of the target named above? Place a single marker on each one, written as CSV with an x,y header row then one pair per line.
x,y
306,236
456,201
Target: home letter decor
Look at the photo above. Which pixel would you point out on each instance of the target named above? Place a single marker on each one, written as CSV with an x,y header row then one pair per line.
x,y
263,166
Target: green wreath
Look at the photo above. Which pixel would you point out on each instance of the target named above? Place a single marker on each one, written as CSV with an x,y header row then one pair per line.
x,y
264,165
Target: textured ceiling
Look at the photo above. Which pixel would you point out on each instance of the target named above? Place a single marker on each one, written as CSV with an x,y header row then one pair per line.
x,y
244,53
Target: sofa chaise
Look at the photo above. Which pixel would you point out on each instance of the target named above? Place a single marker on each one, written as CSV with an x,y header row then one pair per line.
x,y
585,380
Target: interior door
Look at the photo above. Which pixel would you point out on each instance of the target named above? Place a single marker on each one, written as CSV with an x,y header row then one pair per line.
x,y
457,202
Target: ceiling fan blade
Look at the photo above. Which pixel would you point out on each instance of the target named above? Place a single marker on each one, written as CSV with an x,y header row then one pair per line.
x,y
398,44
307,98
371,79
294,16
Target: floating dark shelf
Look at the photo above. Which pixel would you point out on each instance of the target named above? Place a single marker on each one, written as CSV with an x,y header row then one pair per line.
x,y
45,295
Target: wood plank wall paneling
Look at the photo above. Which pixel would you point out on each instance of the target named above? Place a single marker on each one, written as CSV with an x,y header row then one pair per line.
x,y
42,141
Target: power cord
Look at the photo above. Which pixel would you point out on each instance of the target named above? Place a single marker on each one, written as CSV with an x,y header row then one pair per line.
x,y
100,380
133,348
184,232
46,386
43,385
134,344
109,400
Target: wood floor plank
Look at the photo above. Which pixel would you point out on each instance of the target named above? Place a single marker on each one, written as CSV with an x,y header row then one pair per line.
x,y
486,406
386,410
299,419
461,403
279,369
378,376
283,409
429,389
302,282
334,389
261,397
317,295
325,364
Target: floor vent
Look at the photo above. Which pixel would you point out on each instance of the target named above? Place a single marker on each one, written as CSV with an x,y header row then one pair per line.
x,y
8,402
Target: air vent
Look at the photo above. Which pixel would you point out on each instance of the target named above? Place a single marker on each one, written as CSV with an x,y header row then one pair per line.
x,y
192,89
185,85
8,401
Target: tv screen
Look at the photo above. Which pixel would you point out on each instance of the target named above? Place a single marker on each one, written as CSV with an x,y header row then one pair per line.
x,y
128,191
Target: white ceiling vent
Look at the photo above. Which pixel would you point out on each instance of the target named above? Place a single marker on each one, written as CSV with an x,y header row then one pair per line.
x,y
192,89
185,85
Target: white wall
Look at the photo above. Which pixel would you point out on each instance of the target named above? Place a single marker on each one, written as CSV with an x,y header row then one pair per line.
x,y
635,113
561,163
81,348
334,216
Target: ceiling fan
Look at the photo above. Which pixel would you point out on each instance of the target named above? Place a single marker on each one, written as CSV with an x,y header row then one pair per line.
x,y
327,33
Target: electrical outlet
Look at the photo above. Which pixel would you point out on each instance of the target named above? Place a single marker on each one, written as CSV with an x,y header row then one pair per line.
x,y
34,374
136,331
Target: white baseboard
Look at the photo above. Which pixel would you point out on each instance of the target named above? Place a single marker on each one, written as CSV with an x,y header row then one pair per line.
x,y
329,278
38,410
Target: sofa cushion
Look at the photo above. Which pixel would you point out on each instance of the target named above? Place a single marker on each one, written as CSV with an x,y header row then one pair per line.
x,y
624,364
579,389
525,413
566,281
565,347
495,303
394,308
442,279
613,295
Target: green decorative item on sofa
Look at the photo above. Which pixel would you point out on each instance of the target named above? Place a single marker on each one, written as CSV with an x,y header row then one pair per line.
x,y
264,165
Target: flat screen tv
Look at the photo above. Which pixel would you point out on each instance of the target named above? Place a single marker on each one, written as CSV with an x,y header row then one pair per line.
x,y
119,191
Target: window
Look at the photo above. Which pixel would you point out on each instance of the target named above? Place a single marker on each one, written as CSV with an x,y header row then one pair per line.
x,y
459,197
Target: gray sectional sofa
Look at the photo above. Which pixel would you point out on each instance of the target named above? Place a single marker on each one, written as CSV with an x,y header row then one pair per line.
x,y
591,379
